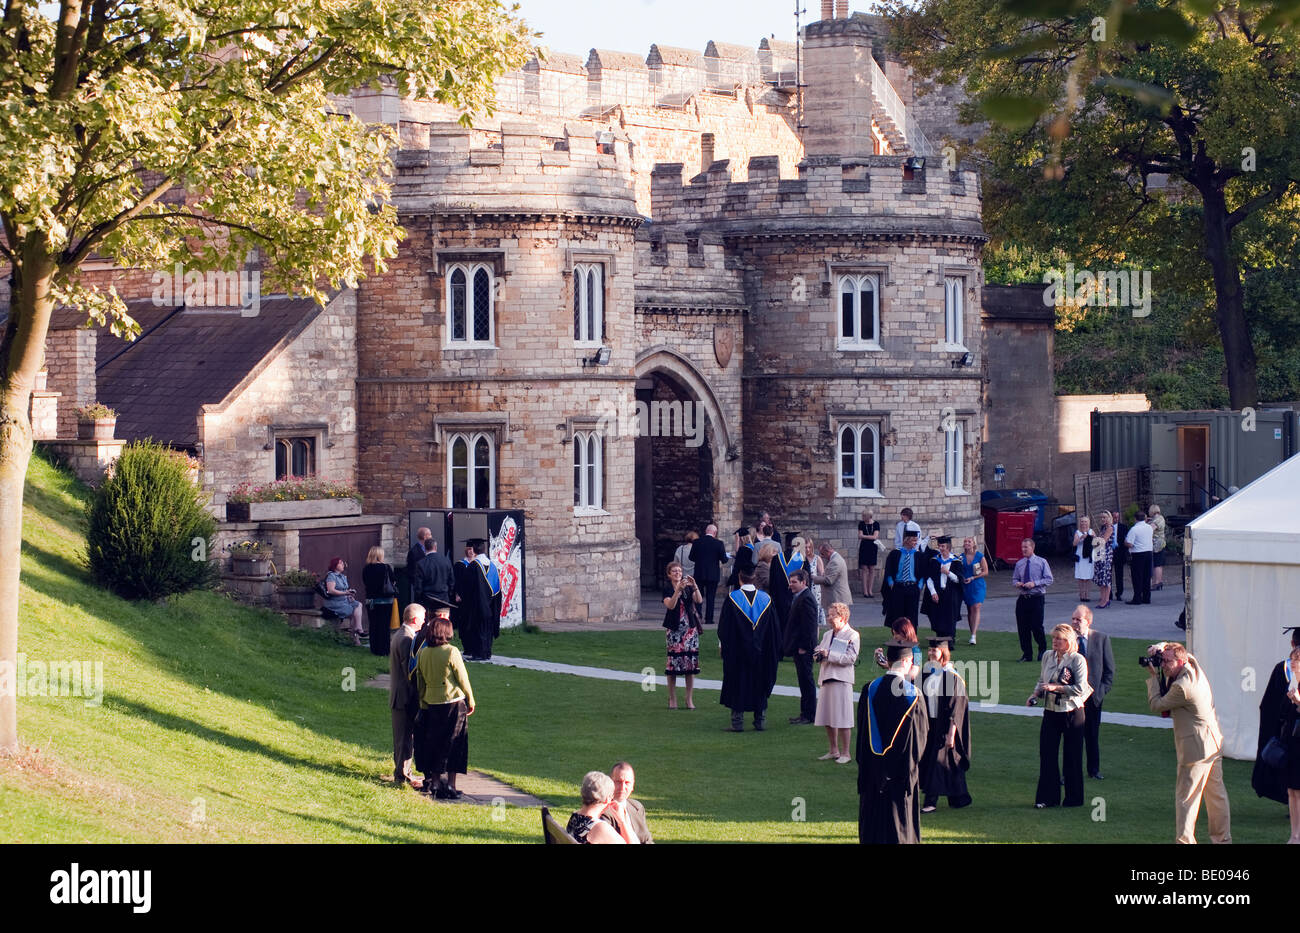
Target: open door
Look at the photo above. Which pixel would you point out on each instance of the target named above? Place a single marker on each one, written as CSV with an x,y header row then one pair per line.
x,y
1168,486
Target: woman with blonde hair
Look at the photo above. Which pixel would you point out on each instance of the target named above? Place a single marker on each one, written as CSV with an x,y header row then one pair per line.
x,y
974,570
381,599
1083,557
815,567
1063,689
1103,558
868,551
1158,540
838,654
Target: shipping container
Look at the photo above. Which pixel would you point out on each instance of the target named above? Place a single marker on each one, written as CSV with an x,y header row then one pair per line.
x,y
1194,458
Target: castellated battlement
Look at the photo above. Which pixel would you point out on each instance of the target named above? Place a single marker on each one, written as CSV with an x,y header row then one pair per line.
x,y
523,168
833,194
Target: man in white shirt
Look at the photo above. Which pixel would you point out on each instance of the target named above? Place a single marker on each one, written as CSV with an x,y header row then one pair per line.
x,y
1138,542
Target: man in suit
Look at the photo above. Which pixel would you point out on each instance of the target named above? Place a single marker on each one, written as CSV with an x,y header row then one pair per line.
x,y
413,558
626,815
709,555
835,582
800,640
403,699
433,576
1179,688
1095,648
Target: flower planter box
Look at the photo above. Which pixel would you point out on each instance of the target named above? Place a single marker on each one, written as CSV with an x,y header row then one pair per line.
x,y
291,509
251,566
296,597
101,429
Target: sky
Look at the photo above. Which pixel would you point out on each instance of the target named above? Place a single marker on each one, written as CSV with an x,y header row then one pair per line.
x,y
578,26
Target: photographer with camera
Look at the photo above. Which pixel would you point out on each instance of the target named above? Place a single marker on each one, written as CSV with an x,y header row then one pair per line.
x,y
1177,687
682,600
1063,688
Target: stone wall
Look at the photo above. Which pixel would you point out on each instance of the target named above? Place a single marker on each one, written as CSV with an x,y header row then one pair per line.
x,y
1074,436
309,388
1020,402
70,359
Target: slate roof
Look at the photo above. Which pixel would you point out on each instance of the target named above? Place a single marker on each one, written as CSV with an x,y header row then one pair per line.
x,y
185,358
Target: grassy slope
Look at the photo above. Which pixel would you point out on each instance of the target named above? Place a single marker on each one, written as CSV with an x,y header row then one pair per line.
x,y
215,711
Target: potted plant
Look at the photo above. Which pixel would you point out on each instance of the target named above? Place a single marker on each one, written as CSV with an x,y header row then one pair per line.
x,y
96,422
296,589
291,498
251,558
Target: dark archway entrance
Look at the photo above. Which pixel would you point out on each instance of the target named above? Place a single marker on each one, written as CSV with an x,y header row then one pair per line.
x,y
674,470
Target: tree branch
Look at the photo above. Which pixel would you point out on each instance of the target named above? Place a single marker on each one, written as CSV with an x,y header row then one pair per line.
x,y
1257,202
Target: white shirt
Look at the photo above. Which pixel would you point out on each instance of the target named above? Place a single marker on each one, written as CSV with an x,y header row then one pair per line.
x,y
1140,536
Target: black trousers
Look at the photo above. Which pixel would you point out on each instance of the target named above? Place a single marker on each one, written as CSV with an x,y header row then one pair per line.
x,y
803,667
709,590
1091,734
1141,564
1029,621
1055,727
1117,570
403,740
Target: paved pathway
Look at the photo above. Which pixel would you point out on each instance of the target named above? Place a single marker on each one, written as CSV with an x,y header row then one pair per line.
x,y
600,673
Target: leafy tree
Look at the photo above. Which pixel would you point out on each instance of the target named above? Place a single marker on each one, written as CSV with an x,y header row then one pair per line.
x,y
1091,99
150,530
154,133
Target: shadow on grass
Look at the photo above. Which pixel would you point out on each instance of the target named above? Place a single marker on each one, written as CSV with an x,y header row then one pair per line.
x,y
224,739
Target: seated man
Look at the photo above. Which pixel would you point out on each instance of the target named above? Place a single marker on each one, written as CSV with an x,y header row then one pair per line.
x,y
626,815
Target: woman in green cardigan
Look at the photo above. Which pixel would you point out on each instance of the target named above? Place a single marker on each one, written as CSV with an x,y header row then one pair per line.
x,y
446,702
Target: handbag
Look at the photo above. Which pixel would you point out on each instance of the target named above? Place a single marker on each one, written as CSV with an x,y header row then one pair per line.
x,y
1274,754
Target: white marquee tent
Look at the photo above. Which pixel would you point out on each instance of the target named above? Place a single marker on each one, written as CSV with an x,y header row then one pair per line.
x,y
1243,586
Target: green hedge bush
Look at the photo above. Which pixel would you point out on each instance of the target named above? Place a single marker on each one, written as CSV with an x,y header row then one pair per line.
x,y
150,534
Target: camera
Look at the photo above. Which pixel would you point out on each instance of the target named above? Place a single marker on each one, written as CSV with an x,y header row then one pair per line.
x,y
1153,660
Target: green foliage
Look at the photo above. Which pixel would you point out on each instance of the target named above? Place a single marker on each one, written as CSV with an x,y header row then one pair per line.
x,y
296,578
94,412
292,489
149,531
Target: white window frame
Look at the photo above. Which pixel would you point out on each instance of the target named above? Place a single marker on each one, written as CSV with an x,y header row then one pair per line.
x,y
954,460
589,328
471,439
860,431
853,283
954,312
470,270
589,473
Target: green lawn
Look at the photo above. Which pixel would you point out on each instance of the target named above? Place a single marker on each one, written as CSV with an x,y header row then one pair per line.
x,y
219,723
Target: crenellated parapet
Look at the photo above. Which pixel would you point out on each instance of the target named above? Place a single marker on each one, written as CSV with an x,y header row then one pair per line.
x,y
863,196
567,170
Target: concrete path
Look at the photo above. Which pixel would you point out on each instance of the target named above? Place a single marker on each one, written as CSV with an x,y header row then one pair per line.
x,y
600,673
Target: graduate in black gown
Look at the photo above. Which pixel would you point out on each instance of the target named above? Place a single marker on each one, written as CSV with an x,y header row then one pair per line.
x,y
1269,782
460,586
778,584
941,598
746,558
892,731
947,748
480,604
901,587
751,650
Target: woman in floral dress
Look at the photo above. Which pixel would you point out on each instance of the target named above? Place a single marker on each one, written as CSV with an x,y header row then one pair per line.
x,y
682,599
1102,560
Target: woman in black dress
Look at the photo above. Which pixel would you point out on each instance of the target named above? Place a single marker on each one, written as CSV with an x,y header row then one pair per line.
x,y
682,599
381,593
868,535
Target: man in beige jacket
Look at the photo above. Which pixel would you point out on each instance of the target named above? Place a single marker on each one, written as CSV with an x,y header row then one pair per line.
x,y
1197,741
835,582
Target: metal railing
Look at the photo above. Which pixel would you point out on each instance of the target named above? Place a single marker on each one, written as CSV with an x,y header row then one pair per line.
x,y
896,111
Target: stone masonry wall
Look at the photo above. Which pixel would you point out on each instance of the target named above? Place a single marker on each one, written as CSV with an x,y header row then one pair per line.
x,y
70,359
311,385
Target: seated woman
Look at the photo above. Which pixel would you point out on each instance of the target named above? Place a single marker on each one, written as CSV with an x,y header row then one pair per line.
x,y
585,825
342,599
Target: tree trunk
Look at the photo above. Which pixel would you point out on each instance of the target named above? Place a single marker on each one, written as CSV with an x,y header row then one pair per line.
x,y
1230,308
21,349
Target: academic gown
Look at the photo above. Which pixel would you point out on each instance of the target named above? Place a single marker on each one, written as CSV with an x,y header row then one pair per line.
x,y
945,614
899,600
481,608
892,732
778,584
746,561
1267,781
943,769
751,650
461,582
